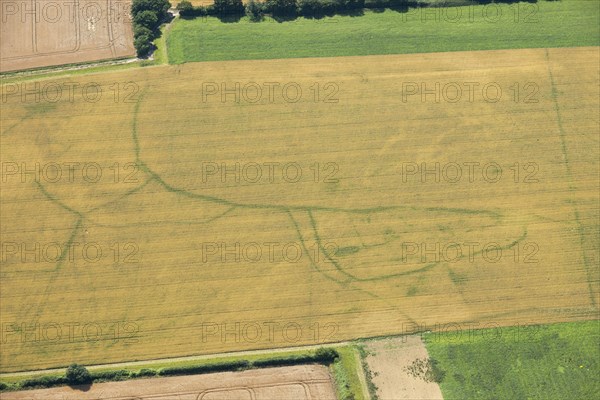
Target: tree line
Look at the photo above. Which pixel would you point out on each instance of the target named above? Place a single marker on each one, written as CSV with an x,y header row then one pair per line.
x,y
147,16
285,9
290,9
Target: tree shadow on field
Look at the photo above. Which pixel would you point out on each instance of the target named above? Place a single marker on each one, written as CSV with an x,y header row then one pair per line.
x,y
230,18
484,2
84,387
400,8
285,18
356,12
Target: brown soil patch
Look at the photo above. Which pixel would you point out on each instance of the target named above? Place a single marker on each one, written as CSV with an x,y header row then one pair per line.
x,y
390,362
43,33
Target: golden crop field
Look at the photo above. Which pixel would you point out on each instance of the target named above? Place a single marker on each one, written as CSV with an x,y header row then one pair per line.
x,y
223,206
198,2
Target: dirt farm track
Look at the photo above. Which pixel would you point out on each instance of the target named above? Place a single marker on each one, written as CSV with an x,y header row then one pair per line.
x,y
40,33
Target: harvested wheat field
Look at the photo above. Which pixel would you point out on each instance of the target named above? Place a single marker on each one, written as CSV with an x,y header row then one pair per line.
x,y
305,382
225,206
43,33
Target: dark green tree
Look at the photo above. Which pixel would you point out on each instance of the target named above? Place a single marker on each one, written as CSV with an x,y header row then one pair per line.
x,y
309,8
78,375
159,6
143,45
282,8
254,11
185,6
147,19
139,30
229,7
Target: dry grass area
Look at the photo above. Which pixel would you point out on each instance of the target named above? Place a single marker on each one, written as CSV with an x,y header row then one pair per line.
x,y
393,361
168,291
306,382
198,2
40,33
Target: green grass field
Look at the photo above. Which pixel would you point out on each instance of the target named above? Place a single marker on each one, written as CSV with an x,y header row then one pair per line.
x,y
547,362
496,26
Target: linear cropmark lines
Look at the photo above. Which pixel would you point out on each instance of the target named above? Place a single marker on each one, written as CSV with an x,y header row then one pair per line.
x,y
226,206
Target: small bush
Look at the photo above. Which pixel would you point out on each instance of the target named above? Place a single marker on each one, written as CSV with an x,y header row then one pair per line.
x,y
145,372
8,387
255,10
184,6
281,8
228,7
327,355
104,376
310,8
437,374
78,375
348,5
199,11
44,382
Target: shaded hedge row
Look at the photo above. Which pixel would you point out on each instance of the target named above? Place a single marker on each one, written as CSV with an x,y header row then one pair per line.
x,y
205,369
256,9
321,356
289,9
44,382
117,375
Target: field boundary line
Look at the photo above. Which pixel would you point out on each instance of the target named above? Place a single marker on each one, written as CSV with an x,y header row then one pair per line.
x,y
126,364
572,186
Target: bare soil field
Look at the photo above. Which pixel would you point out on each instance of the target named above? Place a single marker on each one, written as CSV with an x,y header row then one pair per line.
x,y
41,33
306,382
390,361
401,202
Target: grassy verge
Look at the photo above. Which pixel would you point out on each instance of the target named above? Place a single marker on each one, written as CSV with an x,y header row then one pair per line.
x,y
371,387
345,373
559,361
482,27
160,53
67,70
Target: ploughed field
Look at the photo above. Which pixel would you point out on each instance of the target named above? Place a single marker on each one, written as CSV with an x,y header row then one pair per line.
x,y
43,33
306,382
